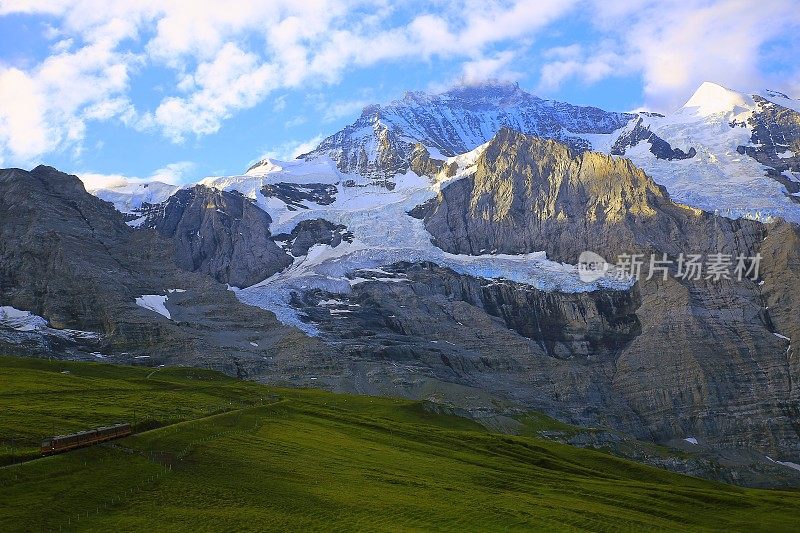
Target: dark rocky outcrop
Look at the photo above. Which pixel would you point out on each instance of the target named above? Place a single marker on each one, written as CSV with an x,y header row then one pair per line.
x,y
562,325
220,233
64,254
307,233
776,131
658,146
294,194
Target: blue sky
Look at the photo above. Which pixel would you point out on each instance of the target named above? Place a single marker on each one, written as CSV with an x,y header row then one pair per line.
x,y
184,89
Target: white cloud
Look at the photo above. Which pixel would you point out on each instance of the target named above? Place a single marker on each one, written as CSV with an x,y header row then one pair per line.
x,y
94,181
23,132
295,121
46,108
489,68
279,104
568,62
337,110
233,80
291,149
718,42
173,174
229,56
675,45
564,53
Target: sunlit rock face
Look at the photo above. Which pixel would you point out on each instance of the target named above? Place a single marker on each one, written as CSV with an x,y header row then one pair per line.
x,y
530,194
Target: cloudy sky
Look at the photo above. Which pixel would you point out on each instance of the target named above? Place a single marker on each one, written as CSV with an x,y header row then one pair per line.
x,y
184,89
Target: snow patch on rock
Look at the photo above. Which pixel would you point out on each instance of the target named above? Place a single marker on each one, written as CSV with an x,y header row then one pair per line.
x,y
787,464
19,320
155,303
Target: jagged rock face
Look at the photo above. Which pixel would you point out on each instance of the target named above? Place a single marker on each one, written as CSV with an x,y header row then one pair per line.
x,y
474,333
220,233
708,363
562,325
379,143
668,359
307,233
422,164
781,292
60,249
658,146
709,359
483,335
775,141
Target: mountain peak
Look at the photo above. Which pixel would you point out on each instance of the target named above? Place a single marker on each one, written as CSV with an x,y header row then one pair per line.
x,y
380,143
488,91
711,98
263,165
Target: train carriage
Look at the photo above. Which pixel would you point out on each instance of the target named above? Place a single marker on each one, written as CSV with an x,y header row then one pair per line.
x,y
63,443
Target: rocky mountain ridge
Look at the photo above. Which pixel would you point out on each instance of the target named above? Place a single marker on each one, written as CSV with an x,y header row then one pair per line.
x,y
68,258
380,143
220,233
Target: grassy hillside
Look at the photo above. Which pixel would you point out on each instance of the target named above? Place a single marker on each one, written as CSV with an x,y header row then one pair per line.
x,y
289,459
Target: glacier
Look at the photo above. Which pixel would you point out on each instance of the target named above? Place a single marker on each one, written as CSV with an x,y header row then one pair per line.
x,y
385,234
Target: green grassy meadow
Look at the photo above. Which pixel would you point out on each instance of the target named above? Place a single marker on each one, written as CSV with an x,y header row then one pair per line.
x,y
217,454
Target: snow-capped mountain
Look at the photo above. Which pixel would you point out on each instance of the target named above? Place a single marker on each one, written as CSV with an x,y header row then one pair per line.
x,y
129,197
723,151
306,191
740,153
380,142
432,246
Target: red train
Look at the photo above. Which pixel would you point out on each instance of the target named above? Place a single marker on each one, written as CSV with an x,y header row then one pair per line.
x,y
63,443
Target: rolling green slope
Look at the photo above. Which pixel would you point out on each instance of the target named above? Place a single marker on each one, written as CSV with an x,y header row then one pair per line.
x,y
233,455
